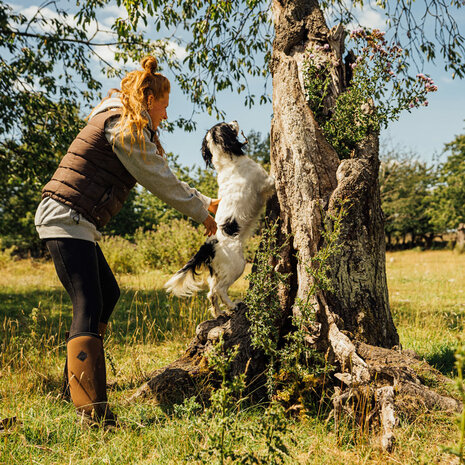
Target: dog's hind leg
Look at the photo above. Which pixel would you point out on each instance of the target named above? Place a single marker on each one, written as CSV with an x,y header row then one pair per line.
x,y
213,297
228,278
224,284
222,292
215,307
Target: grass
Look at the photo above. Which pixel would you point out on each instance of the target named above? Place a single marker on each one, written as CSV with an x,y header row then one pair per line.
x,y
149,330
427,295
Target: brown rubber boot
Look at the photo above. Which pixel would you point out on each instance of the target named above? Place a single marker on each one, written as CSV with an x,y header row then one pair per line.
x,y
87,379
65,394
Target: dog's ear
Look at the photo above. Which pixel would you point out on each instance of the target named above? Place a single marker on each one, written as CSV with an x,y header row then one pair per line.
x,y
230,141
206,154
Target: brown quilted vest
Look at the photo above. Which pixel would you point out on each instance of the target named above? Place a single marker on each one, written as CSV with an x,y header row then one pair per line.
x,y
90,178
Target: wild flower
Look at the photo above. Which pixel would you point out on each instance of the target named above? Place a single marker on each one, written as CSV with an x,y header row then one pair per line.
x,y
378,76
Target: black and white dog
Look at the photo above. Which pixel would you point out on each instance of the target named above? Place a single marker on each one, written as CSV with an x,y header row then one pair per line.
x,y
243,187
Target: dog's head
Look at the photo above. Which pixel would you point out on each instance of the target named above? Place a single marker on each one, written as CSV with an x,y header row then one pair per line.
x,y
222,139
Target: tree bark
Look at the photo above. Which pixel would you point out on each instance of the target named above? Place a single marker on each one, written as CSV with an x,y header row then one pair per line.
x,y
354,325
460,238
300,152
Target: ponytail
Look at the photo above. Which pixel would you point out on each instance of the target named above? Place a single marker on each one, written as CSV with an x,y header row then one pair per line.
x,y
135,90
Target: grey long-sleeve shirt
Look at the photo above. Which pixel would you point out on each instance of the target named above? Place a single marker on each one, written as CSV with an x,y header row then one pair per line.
x,y
55,220
152,171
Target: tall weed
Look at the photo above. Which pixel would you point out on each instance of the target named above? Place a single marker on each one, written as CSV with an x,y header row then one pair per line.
x,y
263,303
296,370
458,450
225,423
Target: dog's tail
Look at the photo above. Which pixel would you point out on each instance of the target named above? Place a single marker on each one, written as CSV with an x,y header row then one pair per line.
x,y
183,283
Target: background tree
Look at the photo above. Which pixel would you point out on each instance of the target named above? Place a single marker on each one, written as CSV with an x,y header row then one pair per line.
x,y
406,185
27,162
258,148
448,203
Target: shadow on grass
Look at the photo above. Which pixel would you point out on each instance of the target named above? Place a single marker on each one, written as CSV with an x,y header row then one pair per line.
x,y
437,351
443,360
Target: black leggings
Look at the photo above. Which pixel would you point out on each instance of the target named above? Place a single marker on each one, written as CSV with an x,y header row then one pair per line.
x,y
89,281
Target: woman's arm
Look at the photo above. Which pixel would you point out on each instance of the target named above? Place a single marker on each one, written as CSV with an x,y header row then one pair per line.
x,y
152,171
205,199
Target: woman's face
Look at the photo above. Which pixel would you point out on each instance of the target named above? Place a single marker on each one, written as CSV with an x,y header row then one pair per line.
x,y
157,109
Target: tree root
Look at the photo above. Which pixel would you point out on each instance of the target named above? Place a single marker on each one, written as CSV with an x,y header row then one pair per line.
x,y
190,376
373,385
383,383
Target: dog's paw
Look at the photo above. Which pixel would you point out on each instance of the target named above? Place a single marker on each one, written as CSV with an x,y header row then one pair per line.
x,y
216,312
232,308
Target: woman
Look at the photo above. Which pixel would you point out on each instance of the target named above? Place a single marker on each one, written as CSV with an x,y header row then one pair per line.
x,y
118,147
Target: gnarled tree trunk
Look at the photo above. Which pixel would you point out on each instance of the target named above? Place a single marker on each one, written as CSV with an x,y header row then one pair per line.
x,y
311,181
355,327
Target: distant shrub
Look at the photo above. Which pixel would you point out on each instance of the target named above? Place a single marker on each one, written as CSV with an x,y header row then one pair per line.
x,y
121,254
170,246
167,248
6,254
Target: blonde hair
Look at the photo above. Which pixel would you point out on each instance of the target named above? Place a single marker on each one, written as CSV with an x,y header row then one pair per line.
x,y
135,90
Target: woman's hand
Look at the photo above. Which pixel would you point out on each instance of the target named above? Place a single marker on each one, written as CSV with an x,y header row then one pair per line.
x,y
210,225
214,206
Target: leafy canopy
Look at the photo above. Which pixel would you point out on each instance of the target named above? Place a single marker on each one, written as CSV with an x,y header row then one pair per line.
x,y
49,54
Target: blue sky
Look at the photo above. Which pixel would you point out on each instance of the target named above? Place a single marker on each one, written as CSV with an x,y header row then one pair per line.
x,y
424,130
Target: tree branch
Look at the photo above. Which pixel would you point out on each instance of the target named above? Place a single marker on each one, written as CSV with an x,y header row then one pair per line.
x,y
45,37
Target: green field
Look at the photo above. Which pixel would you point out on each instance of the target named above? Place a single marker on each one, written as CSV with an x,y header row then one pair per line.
x,y
148,330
